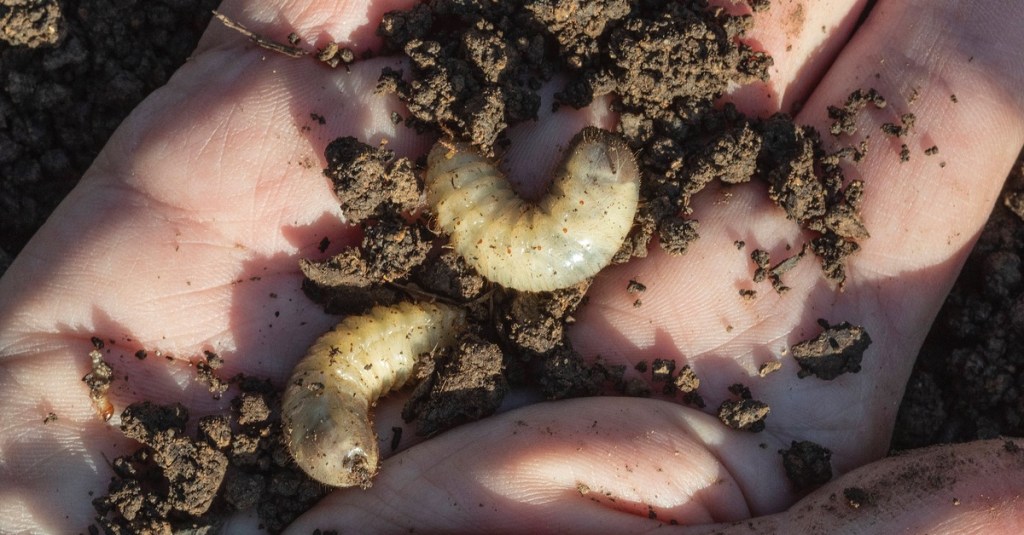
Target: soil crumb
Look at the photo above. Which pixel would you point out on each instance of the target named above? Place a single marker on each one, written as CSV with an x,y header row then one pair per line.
x,y
807,464
837,350
369,181
98,380
467,384
857,497
845,117
31,23
744,414
179,482
206,369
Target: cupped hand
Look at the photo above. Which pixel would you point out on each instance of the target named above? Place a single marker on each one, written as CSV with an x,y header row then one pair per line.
x,y
185,236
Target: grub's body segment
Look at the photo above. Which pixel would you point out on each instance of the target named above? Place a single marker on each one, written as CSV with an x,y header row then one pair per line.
x,y
327,402
569,235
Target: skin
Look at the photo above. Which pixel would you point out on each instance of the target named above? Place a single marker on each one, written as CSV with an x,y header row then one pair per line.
x,y
195,214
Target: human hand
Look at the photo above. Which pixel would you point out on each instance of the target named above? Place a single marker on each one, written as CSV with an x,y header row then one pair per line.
x,y
185,235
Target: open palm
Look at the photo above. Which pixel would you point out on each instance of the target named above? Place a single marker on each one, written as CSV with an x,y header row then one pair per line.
x,y
185,236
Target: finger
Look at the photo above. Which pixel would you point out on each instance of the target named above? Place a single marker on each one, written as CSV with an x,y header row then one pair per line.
x,y
592,465
948,489
631,465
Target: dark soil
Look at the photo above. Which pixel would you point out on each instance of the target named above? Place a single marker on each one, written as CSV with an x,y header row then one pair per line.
x,y
71,71
808,465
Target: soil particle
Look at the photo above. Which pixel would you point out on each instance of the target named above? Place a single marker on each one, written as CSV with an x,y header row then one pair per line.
x,y
662,369
449,275
857,497
98,380
682,54
252,408
341,289
172,476
744,414
686,380
475,66
467,384
807,464
837,350
907,121
811,187
904,153
354,280
758,6
564,374
396,438
206,369
577,25
845,117
31,23
215,430
536,321
333,55
769,367
369,181
676,234
636,387
635,287
931,151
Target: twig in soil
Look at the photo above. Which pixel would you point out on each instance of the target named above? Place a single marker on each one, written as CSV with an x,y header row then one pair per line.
x,y
263,42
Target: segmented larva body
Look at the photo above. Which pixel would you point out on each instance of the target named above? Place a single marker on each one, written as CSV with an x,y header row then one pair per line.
x,y
327,403
567,236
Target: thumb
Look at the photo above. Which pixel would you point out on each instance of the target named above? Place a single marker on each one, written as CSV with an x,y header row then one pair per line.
x,y
628,465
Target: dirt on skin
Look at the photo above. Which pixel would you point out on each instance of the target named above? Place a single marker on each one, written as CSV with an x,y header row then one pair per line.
x,y
53,120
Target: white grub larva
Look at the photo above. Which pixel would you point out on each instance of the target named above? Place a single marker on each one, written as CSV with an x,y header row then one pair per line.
x,y
567,236
327,402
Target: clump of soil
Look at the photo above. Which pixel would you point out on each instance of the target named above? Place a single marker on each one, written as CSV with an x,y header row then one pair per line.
x,y
99,378
837,350
467,384
180,480
744,413
808,465
31,23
